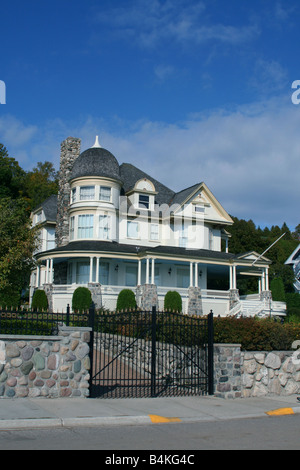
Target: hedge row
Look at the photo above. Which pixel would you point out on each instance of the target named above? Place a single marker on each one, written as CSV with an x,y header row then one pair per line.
x,y
256,334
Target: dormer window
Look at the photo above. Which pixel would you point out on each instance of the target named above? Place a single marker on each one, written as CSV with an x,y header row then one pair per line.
x,y
143,201
87,193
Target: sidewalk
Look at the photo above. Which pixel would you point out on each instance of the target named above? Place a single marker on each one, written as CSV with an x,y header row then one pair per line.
x,y
24,413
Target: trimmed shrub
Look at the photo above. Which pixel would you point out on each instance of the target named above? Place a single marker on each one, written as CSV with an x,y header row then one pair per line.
x,y
82,299
256,334
39,300
173,301
126,300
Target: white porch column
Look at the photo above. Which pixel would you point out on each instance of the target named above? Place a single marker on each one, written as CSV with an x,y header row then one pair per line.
x,y
263,283
153,271
37,279
191,274
147,270
267,278
196,274
91,269
97,268
51,271
139,272
47,271
234,276
230,278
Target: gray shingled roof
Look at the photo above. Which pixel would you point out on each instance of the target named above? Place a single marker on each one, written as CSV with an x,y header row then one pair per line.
x,y
114,247
49,206
96,161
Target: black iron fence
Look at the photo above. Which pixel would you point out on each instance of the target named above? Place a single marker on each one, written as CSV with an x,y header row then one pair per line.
x,y
133,353
27,322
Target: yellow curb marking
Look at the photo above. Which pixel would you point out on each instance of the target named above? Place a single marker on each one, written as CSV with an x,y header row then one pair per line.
x,y
281,412
162,419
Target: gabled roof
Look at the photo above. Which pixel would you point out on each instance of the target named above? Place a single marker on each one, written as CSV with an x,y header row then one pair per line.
x,y
294,257
49,207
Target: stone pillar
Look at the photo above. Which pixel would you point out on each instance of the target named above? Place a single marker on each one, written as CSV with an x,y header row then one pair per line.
x,y
234,297
148,296
95,288
70,150
195,301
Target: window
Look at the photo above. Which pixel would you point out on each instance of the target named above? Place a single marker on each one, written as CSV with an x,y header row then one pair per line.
x,y
50,238
104,227
87,193
82,272
72,226
143,201
39,217
183,277
105,193
73,195
131,276
154,232
183,236
103,272
132,229
85,226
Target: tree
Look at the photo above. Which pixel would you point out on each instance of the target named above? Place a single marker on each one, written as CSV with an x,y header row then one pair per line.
x,y
11,175
40,183
17,244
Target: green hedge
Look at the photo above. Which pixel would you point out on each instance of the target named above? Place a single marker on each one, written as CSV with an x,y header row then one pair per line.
x,y
81,299
126,300
256,334
39,300
173,302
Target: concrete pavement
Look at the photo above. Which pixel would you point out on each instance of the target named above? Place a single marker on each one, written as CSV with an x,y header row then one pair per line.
x,y
25,413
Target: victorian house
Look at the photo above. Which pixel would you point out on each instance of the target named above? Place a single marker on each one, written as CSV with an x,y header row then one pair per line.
x,y
112,226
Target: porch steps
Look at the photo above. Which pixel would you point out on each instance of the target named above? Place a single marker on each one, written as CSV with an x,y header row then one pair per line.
x,y
260,308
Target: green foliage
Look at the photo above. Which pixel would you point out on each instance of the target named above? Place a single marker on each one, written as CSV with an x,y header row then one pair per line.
x,y
82,299
18,242
40,183
173,302
256,334
39,300
277,289
126,300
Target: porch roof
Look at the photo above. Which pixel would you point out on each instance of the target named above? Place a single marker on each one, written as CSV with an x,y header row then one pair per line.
x,y
115,248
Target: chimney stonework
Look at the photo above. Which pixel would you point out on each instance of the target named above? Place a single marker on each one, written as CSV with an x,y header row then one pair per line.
x,y
70,150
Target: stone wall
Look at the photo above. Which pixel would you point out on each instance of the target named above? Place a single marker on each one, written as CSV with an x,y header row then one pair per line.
x,y
254,374
54,366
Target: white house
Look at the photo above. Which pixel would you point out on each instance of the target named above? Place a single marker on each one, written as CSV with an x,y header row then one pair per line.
x,y
294,262
117,227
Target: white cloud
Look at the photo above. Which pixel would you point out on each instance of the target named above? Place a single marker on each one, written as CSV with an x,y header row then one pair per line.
x,y
249,157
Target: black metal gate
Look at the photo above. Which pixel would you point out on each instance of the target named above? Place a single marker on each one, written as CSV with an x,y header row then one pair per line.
x,y
150,354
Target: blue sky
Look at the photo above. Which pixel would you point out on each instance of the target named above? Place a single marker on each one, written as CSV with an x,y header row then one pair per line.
x,y
187,90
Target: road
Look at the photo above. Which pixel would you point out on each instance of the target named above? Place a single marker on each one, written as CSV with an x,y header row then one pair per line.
x,y
266,433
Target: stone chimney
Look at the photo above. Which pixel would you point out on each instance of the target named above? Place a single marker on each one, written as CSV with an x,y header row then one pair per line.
x,y
70,150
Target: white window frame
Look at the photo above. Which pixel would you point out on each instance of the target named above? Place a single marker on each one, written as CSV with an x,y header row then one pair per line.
x,y
104,227
72,227
154,232
87,193
85,226
102,195
73,195
131,232
144,204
